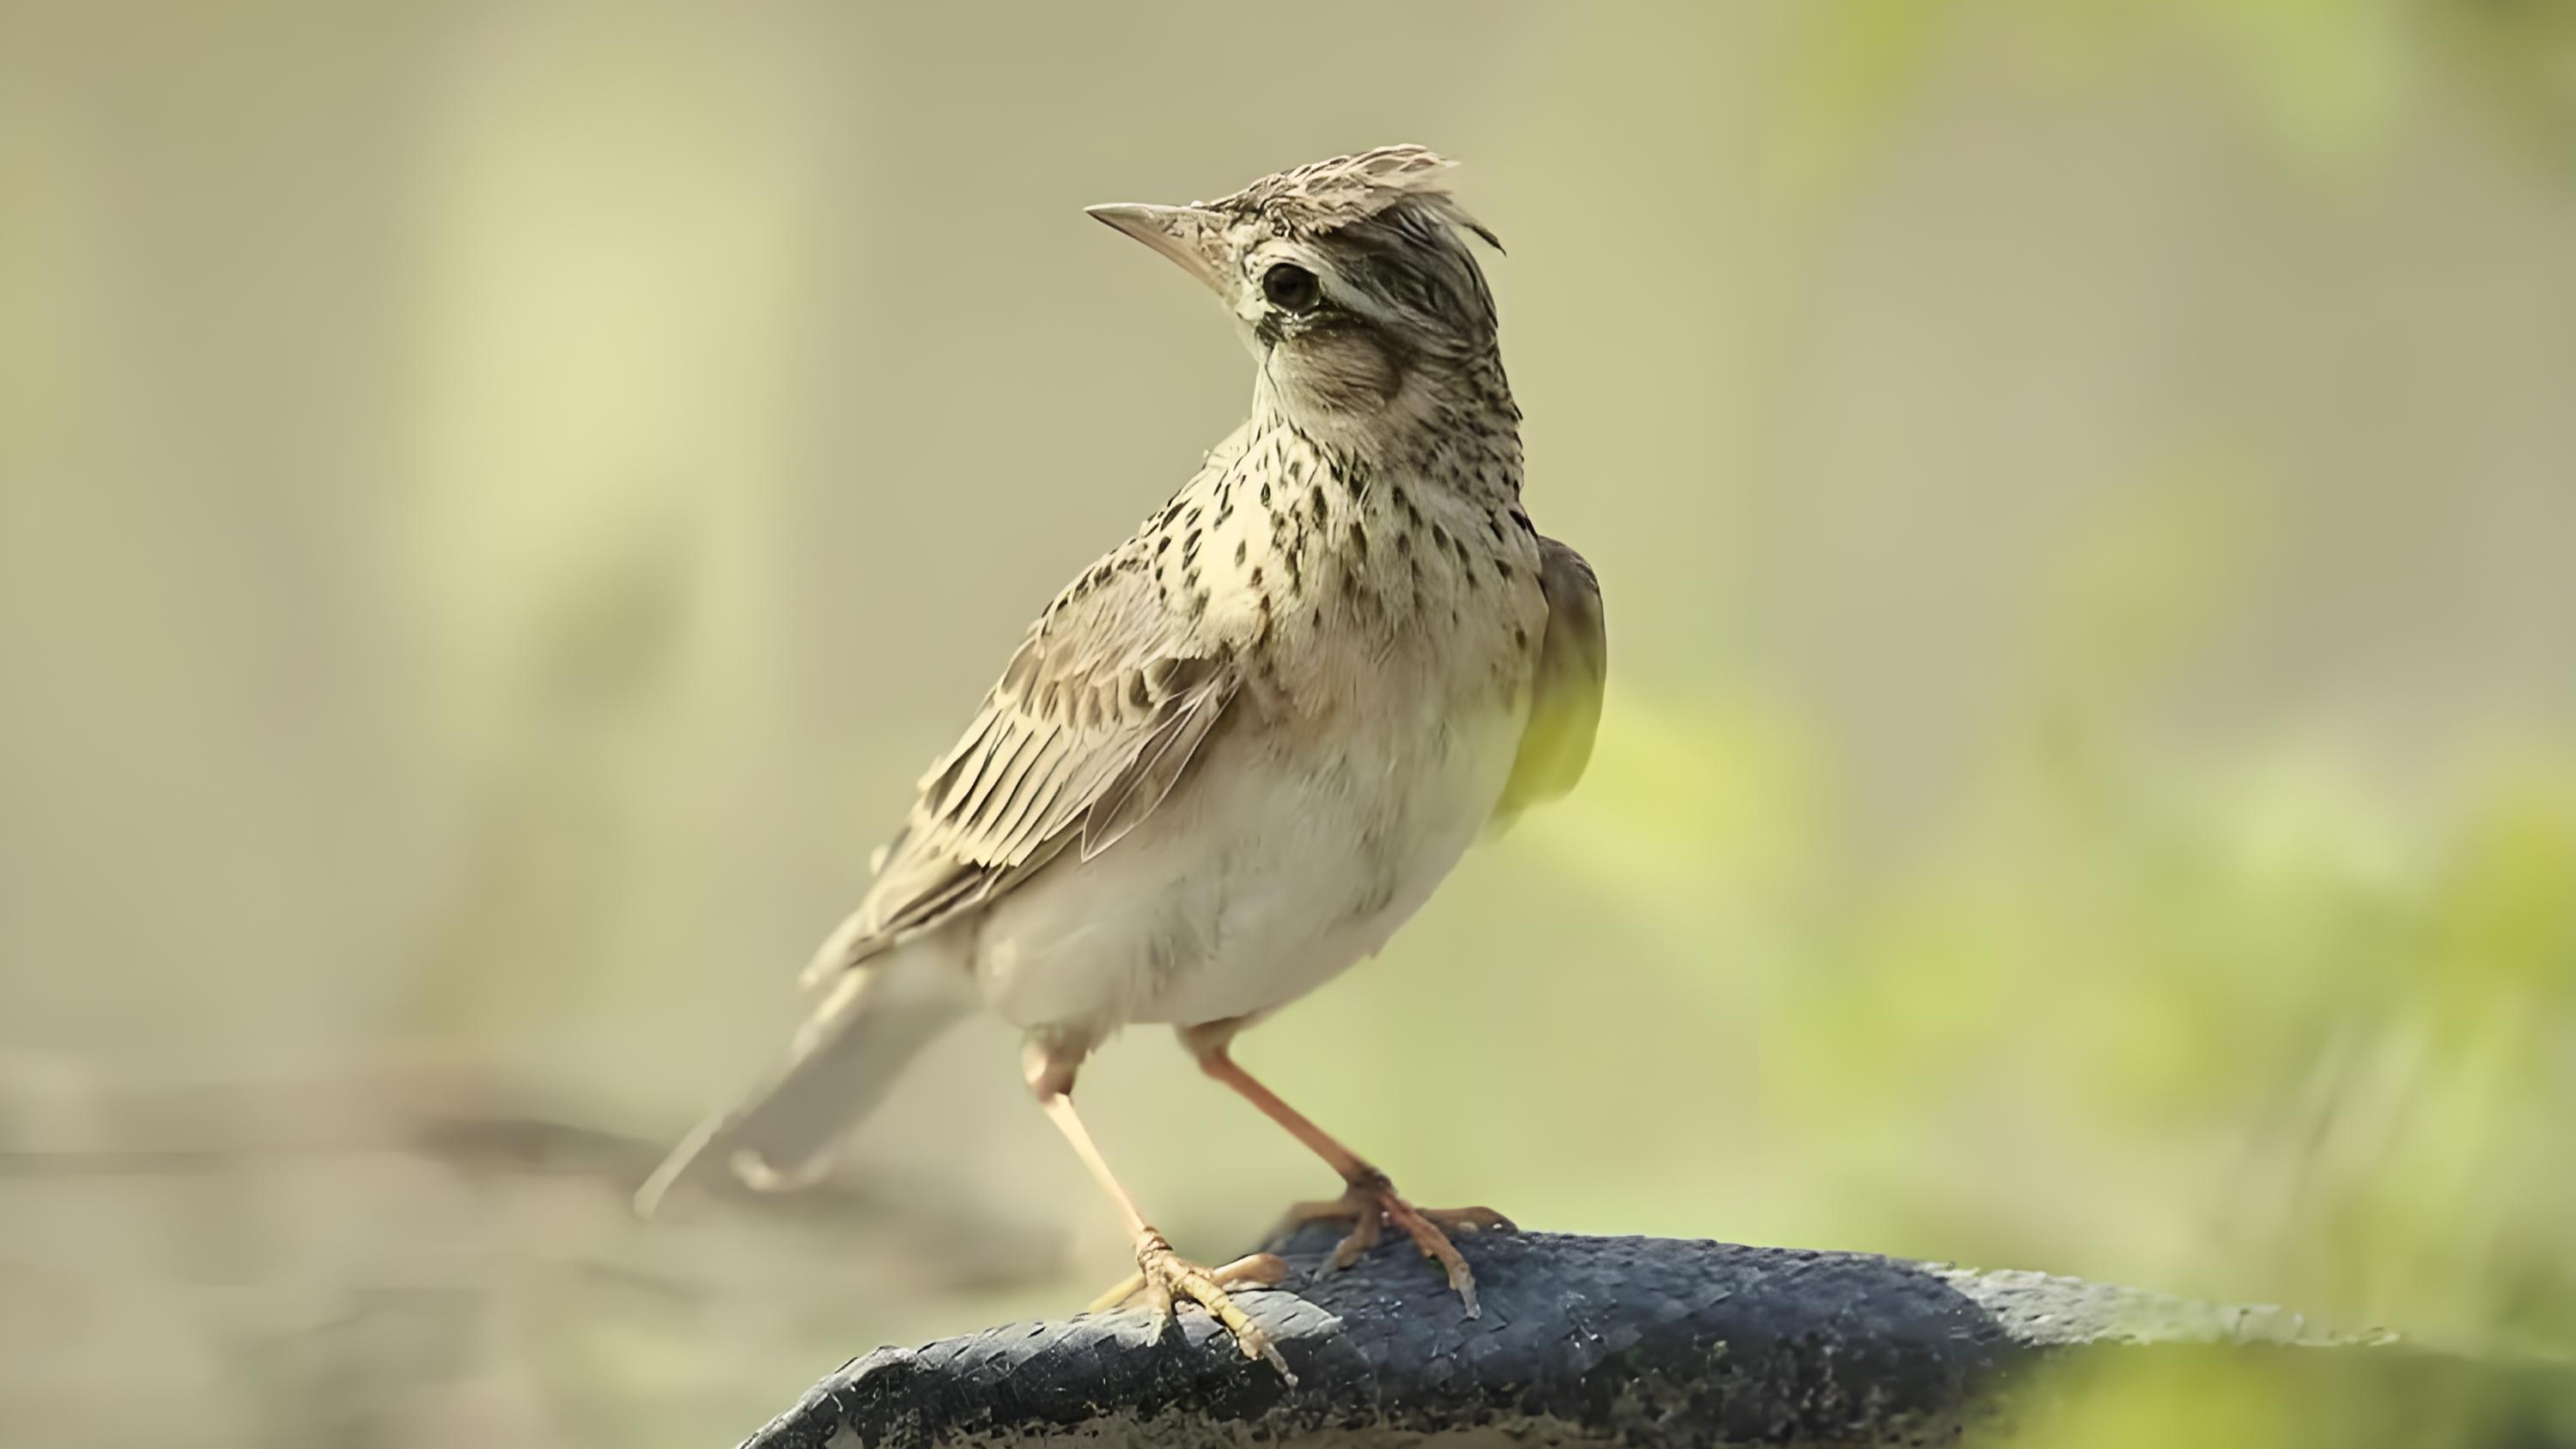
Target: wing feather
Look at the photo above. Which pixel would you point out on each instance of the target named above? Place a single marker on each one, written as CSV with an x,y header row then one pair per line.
x,y
1565,694
1009,832
1143,785
1095,719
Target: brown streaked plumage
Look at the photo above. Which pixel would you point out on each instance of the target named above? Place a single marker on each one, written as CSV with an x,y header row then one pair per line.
x,y
1240,749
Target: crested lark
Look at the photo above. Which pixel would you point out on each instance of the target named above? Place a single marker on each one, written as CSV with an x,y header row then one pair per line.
x,y
1239,750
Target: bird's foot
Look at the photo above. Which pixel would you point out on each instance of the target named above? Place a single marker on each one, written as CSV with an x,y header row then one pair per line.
x,y
1163,1278
1371,1204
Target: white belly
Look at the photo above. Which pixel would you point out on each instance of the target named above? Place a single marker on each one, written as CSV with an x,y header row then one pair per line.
x,y
1273,867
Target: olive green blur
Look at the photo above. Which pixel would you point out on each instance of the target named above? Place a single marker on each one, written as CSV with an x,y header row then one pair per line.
x,y
499,502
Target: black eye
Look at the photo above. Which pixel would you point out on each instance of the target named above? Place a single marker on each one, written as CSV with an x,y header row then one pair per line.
x,y
1291,288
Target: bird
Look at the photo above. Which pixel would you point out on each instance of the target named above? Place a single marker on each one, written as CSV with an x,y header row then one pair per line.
x,y
1240,749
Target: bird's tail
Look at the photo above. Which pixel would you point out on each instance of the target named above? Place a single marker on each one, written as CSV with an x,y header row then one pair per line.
x,y
869,1023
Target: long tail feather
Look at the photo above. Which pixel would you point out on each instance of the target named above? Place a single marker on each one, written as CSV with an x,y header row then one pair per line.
x,y
846,1057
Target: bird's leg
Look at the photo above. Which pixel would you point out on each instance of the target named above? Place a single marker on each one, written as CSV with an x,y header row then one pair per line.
x,y
1162,1276
1370,1201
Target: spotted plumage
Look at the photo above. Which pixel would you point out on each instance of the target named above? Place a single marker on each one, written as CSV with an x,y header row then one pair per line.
x,y
1238,751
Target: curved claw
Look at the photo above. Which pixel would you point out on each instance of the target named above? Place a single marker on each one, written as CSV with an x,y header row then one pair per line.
x,y
1164,1277
1372,1202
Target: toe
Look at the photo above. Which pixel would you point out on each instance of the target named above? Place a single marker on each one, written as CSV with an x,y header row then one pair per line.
x,y
1436,1246
1158,1301
1201,1287
1373,1203
1259,1270
1364,1235
1118,1297
1471,1220
1164,1278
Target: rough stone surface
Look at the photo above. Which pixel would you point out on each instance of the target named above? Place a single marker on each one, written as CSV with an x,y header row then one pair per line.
x,y
1633,1341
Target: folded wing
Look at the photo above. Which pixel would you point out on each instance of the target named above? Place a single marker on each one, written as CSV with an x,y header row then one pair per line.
x,y
1565,697
1093,722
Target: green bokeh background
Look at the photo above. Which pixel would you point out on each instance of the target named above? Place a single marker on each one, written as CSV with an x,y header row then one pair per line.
x,y
498,502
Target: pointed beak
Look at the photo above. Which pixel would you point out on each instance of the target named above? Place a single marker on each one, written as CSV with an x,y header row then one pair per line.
x,y
1185,234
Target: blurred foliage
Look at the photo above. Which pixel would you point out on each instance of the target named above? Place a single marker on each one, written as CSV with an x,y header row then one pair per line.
x,y
2330,80
2271,1400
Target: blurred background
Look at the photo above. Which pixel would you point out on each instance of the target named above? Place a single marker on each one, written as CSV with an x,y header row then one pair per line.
x,y
499,502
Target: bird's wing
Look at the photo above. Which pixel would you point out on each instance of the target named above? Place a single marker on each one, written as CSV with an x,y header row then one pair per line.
x,y
1565,695
1088,729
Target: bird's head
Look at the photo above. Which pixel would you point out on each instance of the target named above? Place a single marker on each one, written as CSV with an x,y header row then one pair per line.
x,y
1350,280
